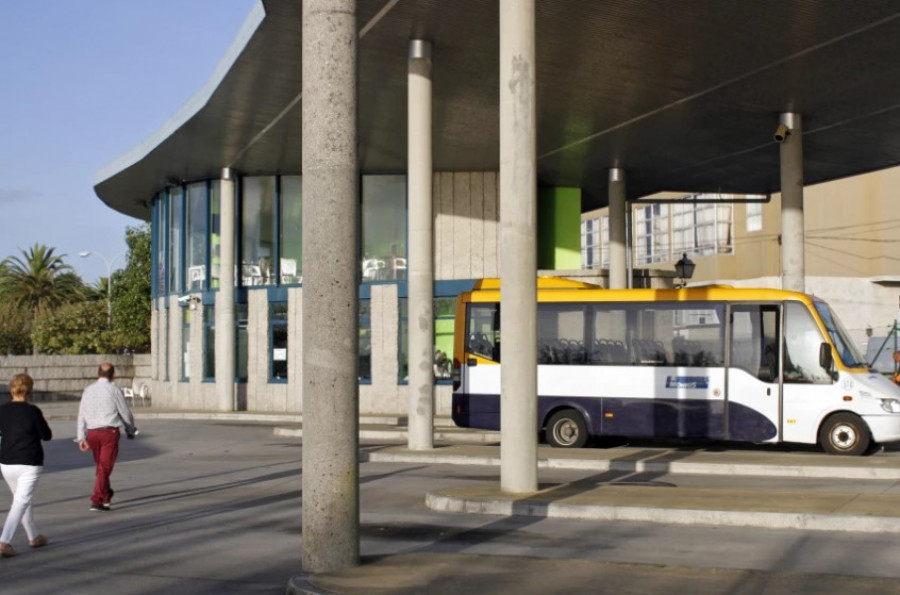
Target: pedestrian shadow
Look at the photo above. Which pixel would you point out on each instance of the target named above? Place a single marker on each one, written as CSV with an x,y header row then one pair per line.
x,y
62,454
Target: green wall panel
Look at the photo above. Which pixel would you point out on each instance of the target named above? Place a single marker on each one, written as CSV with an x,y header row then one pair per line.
x,y
559,228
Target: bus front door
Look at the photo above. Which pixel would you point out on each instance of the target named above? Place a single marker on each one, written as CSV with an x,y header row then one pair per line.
x,y
753,396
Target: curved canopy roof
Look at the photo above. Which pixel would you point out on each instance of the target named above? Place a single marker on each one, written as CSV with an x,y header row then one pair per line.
x,y
682,94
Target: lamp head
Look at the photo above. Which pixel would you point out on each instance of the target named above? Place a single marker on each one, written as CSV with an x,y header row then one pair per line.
x,y
684,268
84,253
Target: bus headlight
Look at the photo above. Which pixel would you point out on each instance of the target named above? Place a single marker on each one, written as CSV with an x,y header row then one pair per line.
x,y
890,405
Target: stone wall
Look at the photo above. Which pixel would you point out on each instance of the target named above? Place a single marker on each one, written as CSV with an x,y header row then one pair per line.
x,y
61,377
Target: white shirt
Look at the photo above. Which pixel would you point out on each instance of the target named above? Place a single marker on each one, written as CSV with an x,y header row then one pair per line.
x,y
103,406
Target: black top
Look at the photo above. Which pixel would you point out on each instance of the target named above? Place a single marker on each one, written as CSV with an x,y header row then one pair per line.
x,y
22,427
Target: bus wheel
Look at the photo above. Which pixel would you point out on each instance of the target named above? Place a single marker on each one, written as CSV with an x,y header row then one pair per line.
x,y
844,434
566,429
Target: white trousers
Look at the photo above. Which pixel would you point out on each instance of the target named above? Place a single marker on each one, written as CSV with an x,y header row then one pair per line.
x,y
21,480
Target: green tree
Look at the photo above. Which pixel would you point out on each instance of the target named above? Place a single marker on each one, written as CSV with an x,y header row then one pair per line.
x,y
131,293
98,291
74,329
37,282
14,336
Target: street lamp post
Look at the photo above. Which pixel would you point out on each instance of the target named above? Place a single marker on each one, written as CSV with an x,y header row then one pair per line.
x,y
85,254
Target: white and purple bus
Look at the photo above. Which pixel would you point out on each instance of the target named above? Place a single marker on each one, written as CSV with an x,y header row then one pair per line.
x,y
720,363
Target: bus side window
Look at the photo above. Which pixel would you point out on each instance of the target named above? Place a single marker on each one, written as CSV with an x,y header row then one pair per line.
x,y
483,337
560,335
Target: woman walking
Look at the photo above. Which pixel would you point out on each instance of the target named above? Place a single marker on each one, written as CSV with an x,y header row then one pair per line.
x,y
22,427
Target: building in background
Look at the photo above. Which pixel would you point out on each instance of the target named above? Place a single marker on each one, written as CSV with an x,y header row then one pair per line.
x,y
852,241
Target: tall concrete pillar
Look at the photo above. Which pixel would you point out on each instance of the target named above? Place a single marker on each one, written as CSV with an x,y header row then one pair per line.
x,y
421,250
225,329
518,259
330,287
618,265
793,269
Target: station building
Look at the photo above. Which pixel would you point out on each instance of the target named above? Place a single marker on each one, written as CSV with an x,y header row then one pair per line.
x,y
242,131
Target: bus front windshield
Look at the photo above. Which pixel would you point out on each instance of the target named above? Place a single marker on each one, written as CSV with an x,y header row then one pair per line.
x,y
847,351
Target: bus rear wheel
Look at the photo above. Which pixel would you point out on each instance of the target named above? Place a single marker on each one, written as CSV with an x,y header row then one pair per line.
x,y
844,434
566,429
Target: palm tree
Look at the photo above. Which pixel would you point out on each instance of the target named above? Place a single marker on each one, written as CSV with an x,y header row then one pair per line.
x,y
38,281
98,291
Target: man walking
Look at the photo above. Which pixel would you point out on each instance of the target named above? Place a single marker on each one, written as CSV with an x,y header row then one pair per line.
x,y
102,415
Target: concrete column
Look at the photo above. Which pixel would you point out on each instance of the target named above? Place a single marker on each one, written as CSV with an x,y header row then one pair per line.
x,y
421,250
793,270
618,264
330,287
518,240
225,331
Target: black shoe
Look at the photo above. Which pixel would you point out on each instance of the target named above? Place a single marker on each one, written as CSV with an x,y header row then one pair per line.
x,y
98,508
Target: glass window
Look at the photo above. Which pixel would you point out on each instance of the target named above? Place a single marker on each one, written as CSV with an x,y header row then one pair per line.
x,y
175,239
754,340
560,337
609,335
185,343
365,340
754,216
158,276
209,342
196,225
847,351
215,239
702,228
483,331
696,334
657,334
403,340
291,231
257,230
651,234
444,320
278,324
801,347
590,243
240,337
164,334
383,227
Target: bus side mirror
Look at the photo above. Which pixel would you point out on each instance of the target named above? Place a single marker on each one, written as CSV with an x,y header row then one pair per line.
x,y
826,360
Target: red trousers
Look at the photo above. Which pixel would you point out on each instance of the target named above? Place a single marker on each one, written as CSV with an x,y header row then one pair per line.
x,y
104,443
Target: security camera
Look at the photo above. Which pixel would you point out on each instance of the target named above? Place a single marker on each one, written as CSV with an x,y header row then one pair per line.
x,y
781,133
184,299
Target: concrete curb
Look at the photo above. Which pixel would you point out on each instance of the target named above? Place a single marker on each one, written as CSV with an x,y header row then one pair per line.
x,y
402,435
771,520
301,585
603,465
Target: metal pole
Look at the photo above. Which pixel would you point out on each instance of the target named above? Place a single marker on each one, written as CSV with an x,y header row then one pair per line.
x,y
108,295
108,263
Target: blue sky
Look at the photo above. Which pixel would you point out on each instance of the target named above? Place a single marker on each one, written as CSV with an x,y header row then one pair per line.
x,y
84,82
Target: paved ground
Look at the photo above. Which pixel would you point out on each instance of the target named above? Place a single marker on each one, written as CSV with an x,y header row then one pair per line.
x,y
213,506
